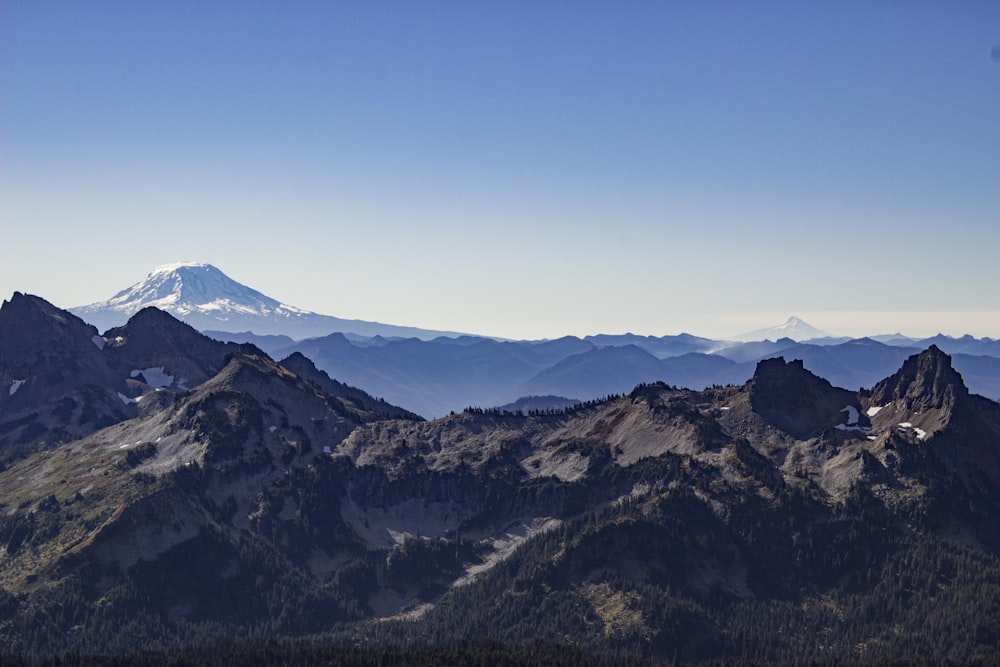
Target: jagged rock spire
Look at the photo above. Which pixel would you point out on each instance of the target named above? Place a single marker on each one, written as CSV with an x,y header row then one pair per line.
x,y
926,381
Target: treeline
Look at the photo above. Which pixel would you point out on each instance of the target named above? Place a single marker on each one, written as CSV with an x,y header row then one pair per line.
x,y
265,654
543,412
641,389
466,654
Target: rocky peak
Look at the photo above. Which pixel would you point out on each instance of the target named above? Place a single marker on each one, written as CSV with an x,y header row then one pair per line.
x,y
42,340
30,325
244,371
152,319
154,339
153,329
303,366
789,397
300,364
926,381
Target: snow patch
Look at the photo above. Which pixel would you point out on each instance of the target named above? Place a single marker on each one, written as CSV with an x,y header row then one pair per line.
x,y
920,433
98,341
852,415
874,410
155,377
272,429
905,425
125,399
14,386
852,420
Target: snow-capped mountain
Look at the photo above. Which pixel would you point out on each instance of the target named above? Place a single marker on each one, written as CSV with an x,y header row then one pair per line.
x,y
794,328
208,299
185,288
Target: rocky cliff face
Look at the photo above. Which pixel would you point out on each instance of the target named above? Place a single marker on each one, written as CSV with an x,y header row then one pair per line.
x,y
797,402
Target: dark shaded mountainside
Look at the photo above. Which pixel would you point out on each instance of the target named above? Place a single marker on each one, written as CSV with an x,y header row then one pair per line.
x,y
161,489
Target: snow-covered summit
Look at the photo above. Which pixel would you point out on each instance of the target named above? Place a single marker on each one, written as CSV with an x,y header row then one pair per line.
x,y
170,268
208,299
794,328
187,288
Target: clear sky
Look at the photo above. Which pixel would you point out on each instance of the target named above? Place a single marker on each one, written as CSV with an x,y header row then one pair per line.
x,y
515,168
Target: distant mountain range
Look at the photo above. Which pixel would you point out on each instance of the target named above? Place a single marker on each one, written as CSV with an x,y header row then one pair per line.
x,y
434,373
439,376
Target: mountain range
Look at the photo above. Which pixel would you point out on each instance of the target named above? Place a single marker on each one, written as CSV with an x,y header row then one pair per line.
x,y
160,488
434,374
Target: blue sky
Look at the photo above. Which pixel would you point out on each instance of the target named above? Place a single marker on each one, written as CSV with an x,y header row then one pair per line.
x,y
519,169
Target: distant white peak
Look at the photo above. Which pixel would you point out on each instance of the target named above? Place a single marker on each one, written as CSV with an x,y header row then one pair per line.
x,y
182,288
793,328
